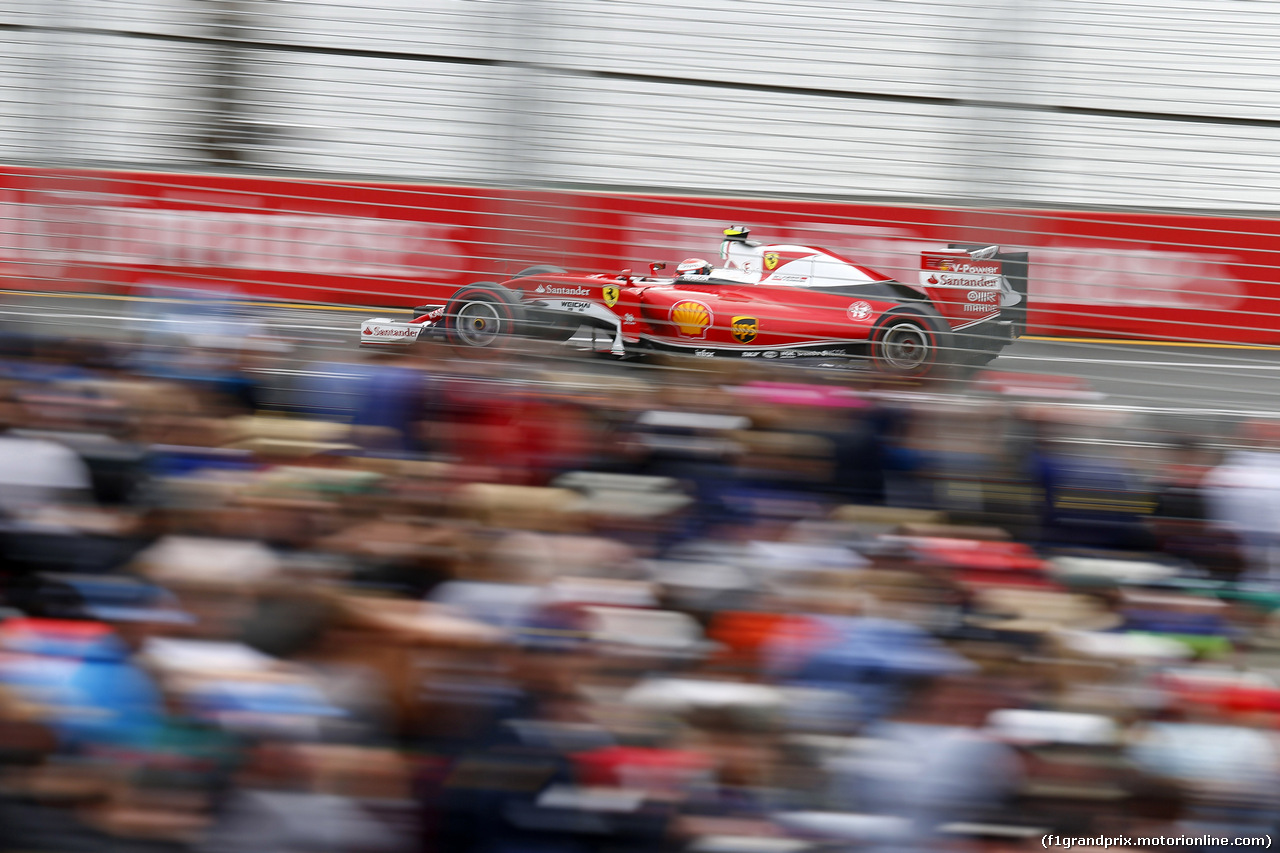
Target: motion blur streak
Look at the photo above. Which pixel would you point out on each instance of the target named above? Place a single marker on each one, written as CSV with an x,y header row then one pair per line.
x,y
264,590
261,591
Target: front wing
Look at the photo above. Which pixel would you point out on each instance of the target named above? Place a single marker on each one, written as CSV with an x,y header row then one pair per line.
x,y
386,332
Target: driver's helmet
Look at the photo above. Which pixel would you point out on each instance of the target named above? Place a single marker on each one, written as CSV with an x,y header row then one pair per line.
x,y
693,266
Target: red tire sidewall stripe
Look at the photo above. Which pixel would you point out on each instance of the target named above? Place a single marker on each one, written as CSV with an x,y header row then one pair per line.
x,y
919,322
462,297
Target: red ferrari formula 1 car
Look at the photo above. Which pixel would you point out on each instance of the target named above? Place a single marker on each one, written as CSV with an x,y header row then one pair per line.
x,y
763,302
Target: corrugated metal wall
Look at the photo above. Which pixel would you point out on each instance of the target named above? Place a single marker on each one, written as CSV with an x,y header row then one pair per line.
x,y
1167,105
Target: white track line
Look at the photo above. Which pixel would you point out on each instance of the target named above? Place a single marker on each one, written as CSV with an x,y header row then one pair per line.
x,y
55,317
1123,362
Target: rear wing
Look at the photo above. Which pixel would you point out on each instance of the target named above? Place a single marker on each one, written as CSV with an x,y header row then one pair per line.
x,y
1015,267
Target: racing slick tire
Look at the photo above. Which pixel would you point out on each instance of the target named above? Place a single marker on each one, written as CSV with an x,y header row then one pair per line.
x,y
915,343
483,315
540,269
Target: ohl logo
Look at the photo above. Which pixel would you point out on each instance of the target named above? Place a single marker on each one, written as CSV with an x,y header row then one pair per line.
x,y
771,261
611,292
690,318
744,329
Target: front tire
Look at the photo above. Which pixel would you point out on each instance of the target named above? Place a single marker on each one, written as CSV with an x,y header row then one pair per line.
x,y
483,316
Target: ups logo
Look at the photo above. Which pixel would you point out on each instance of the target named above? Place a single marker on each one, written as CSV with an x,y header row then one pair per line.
x,y
744,329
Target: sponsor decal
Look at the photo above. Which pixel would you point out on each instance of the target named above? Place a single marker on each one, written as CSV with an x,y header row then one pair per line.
x,y
1206,280
704,353
979,268
691,319
562,291
964,280
398,331
963,266
798,279
984,296
628,318
575,306
797,353
771,260
812,353
859,311
611,292
164,236
978,307
744,329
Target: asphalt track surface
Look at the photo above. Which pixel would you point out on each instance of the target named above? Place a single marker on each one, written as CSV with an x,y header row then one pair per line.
x,y
1198,382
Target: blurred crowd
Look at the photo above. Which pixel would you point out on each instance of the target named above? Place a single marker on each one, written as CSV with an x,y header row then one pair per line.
x,y
524,604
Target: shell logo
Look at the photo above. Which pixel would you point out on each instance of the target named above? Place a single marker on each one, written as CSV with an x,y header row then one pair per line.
x,y
690,318
771,260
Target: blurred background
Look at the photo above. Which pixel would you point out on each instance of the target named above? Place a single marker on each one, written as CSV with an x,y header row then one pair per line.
x,y
261,590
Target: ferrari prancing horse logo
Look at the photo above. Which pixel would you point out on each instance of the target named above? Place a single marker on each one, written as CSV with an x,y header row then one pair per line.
x,y
744,329
610,292
771,260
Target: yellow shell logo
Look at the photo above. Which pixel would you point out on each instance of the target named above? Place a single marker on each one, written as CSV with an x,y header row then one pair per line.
x,y
690,318
610,292
770,260
945,266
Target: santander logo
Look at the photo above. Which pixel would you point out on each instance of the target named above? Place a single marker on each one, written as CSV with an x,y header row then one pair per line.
x,y
379,331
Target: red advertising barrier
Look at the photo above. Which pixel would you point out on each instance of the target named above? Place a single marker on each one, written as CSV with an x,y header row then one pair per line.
x,y
1093,273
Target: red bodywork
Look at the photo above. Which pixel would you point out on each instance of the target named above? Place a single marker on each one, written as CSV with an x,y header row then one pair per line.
x,y
776,301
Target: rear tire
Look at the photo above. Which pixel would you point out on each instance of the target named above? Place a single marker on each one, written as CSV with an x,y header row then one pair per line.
x,y
911,344
483,316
